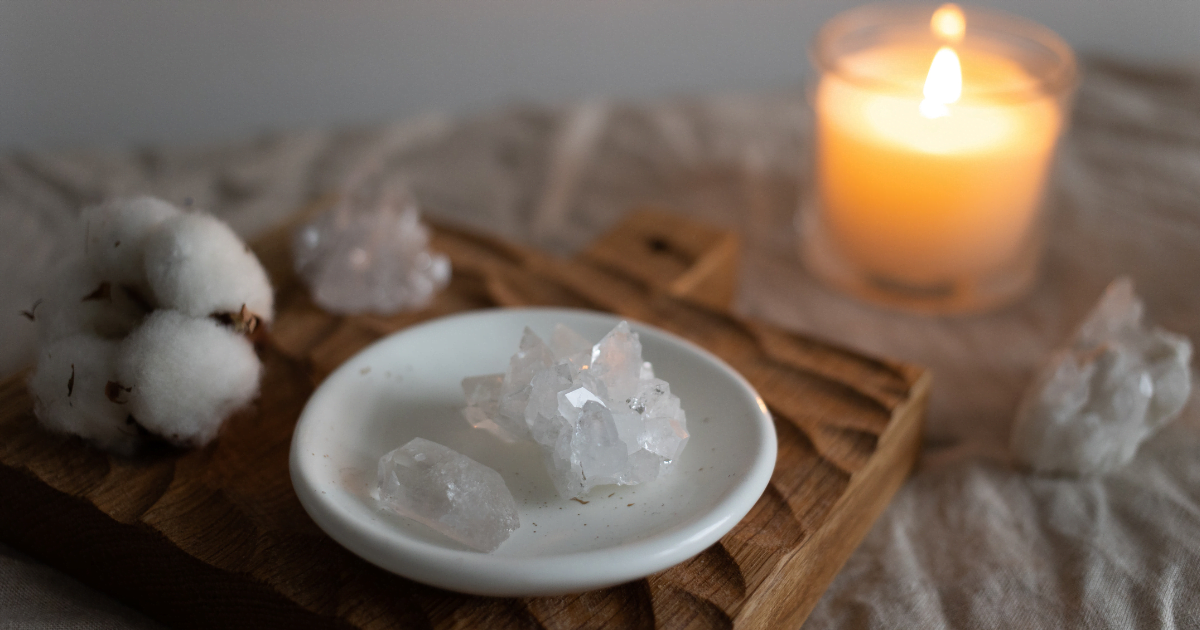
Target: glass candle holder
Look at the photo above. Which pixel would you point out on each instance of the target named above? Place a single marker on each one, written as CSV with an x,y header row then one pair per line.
x,y
935,132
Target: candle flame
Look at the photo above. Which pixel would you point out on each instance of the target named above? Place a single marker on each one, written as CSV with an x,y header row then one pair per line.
x,y
949,23
943,84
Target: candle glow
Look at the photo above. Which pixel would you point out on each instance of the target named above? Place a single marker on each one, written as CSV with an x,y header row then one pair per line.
x,y
928,176
949,23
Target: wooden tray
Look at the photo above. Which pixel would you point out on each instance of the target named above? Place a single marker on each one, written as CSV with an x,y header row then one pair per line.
x,y
217,538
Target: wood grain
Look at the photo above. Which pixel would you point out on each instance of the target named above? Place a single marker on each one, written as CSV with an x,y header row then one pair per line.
x,y
217,538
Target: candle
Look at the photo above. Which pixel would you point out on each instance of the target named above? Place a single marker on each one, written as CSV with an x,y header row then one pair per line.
x,y
932,154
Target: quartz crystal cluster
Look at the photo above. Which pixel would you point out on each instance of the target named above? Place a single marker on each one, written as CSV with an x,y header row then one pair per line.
x,y
1095,401
597,411
370,253
449,492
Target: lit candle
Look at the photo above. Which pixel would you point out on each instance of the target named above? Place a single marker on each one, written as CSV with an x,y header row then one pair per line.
x,y
931,160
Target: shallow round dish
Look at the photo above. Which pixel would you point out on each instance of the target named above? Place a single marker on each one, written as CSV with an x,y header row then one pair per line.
x,y
408,385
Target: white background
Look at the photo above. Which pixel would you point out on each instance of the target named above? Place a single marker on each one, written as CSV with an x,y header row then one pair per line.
x,y
120,72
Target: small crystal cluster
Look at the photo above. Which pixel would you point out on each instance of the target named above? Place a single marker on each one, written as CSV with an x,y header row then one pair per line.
x,y
370,253
448,491
1095,401
598,412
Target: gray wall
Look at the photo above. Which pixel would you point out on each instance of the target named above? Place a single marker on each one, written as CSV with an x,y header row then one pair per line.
x,y
116,72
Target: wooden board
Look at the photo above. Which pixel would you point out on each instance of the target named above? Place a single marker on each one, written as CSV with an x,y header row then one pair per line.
x,y
217,538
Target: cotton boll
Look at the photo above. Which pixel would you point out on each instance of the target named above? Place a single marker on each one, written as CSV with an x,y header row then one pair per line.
x,y
188,374
198,266
79,301
70,388
116,234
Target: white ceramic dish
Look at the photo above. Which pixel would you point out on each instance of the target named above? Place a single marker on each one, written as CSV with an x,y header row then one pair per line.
x,y
407,386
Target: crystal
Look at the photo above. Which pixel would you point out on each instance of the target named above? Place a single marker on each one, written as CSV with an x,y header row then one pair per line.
x,y
602,455
370,253
597,411
449,492
532,356
567,343
483,403
617,361
1094,402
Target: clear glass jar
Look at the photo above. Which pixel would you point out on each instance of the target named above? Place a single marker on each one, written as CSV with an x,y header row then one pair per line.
x,y
923,198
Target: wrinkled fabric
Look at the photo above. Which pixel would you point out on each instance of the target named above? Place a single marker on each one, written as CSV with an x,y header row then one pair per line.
x,y
35,596
969,541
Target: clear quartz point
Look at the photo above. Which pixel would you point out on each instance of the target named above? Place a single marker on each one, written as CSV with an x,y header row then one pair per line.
x,y
1094,402
597,410
449,492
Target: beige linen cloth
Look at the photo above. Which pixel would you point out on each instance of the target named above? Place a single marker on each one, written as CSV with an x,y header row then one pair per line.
x,y
968,542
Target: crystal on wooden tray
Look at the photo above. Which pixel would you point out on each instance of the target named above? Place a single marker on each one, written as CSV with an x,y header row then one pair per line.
x,y
597,411
370,253
448,491
1096,400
